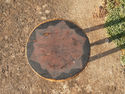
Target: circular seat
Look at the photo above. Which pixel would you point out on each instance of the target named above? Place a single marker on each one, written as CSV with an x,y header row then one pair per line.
x,y
58,50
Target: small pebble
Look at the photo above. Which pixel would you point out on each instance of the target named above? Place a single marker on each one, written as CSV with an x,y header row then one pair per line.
x,y
47,11
7,1
38,8
107,40
44,6
13,56
74,62
6,37
43,18
40,12
3,71
22,49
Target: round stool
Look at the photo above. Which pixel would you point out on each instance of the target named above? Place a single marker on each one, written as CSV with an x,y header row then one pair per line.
x,y
58,50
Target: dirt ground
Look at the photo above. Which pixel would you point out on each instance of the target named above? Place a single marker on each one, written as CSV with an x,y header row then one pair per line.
x,y
104,73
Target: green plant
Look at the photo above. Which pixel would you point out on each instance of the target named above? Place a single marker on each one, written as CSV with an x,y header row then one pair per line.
x,y
122,1
123,59
115,24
